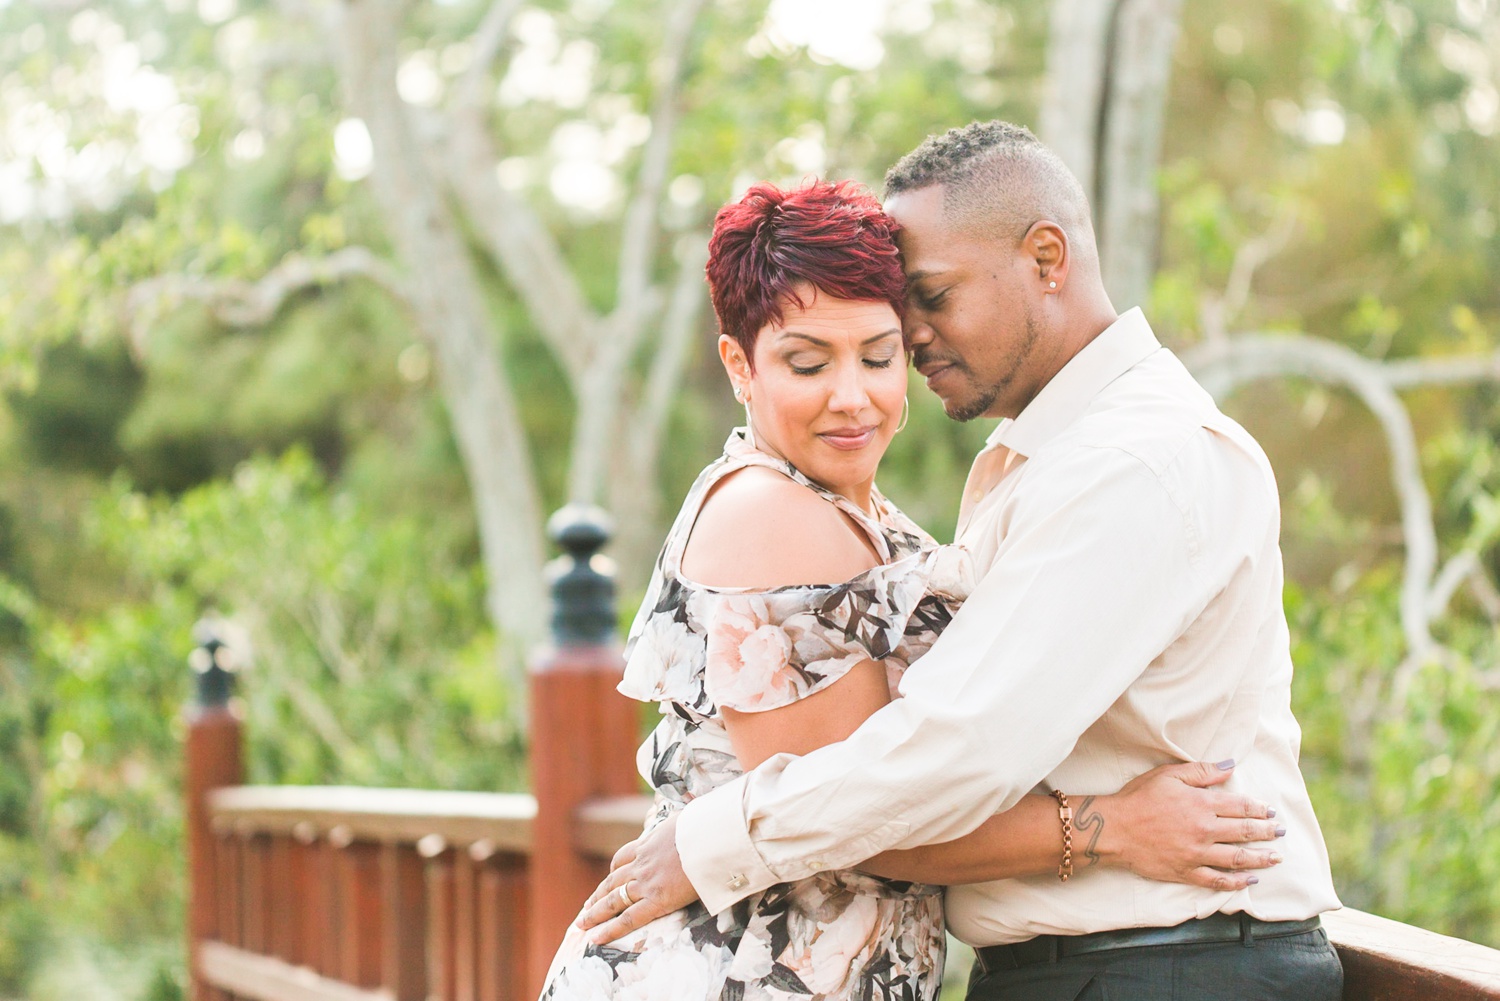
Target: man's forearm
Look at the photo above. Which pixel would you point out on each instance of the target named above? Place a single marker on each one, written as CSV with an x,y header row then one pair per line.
x,y
1025,840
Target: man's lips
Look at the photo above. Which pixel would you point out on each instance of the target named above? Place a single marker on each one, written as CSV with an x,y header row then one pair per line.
x,y
849,438
931,370
929,365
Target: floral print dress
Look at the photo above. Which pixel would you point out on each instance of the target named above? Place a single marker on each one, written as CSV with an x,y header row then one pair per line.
x,y
694,649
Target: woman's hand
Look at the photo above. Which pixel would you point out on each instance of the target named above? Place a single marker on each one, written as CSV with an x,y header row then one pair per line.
x,y
651,874
1172,825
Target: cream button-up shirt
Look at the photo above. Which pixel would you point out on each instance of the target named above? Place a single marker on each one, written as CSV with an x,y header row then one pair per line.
x,y
1129,614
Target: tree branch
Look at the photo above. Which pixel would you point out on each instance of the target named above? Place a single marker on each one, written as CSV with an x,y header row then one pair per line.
x,y
1223,366
1483,591
1415,373
638,243
1458,569
520,243
487,40
680,323
1251,255
238,303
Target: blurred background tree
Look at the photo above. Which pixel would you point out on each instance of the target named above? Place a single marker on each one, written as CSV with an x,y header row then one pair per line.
x,y
309,313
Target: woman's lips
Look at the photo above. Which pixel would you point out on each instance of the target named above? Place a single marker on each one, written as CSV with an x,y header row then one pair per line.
x,y
849,439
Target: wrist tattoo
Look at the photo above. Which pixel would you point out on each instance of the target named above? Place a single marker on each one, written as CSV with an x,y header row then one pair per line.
x,y
1089,819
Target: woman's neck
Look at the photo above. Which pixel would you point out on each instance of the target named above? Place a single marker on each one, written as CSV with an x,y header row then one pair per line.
x,y
861,495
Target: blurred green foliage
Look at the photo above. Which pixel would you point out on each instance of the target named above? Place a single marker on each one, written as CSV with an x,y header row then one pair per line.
x,y
300,479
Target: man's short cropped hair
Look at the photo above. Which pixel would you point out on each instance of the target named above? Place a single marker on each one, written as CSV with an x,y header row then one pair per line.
x,y
998,180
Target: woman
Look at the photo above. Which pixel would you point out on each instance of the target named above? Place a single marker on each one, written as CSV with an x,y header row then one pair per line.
x,y
787,601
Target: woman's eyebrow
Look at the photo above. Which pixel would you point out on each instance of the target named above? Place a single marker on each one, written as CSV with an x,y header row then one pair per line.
x,y
893,332
806,337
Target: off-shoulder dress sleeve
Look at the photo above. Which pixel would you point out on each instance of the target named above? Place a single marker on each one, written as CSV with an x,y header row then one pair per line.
x,y
765,650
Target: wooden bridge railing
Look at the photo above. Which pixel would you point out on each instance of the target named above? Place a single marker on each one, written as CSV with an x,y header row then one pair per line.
x,y
306,893
350,893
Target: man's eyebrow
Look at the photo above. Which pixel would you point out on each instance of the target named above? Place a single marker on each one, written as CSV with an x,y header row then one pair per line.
x,y
916,276
893,332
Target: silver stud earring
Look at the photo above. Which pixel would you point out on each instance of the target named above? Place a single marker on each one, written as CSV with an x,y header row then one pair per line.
x,y
739,394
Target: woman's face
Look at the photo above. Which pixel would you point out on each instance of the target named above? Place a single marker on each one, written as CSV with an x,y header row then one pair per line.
x,y
828,388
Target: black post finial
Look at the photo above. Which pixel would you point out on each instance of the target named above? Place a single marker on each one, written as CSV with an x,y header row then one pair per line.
x,y
582,579
214,661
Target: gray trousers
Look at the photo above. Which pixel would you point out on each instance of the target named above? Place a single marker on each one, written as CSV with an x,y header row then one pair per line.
x,y
1295,968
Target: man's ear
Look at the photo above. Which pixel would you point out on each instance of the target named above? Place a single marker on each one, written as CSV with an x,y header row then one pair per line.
x,y
1047,244
736,365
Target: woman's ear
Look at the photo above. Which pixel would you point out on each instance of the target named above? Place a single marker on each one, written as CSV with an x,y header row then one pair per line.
x,y
736,365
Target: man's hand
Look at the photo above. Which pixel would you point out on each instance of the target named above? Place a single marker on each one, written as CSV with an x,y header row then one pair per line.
x,y
652,875
1171,825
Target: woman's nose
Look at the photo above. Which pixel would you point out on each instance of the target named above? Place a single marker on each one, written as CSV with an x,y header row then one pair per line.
x,y
849,394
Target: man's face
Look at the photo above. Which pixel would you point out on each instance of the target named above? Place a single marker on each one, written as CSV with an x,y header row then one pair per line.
x,y
969,317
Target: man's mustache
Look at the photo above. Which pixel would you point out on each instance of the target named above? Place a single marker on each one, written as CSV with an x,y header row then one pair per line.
x,y
923,359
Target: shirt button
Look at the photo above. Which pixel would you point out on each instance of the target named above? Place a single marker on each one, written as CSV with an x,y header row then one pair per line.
x,y
737,881
814,865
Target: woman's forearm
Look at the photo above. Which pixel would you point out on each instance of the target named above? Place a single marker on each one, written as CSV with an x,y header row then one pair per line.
x,y
1025,840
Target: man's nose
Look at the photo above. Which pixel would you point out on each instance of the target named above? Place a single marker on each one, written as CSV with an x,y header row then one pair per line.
x,y
916,330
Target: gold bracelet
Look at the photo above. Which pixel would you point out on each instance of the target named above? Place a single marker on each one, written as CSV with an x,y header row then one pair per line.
x,y
1065,814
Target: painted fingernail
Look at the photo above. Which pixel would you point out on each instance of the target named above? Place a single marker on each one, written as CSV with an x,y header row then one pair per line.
x,y
1275,858
1281,832
1253,880
1225,765
1270,812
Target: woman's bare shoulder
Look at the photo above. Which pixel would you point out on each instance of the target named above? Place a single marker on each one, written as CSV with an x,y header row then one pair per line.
x,y
760,529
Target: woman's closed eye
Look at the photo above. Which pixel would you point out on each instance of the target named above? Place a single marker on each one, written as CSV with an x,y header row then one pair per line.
x,y
813,368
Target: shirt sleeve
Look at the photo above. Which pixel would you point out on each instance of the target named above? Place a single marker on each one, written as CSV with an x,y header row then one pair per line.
x,y
1098,572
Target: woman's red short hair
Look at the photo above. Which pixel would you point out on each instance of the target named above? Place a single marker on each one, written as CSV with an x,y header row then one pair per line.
x,y
831,235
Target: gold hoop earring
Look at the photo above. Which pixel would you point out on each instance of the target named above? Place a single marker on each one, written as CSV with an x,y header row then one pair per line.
x,y
905,414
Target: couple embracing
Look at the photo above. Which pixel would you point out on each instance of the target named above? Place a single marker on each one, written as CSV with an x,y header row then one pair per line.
x,y
1067,737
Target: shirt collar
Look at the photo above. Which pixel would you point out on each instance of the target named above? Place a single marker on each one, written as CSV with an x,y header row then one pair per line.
x,y
1121,346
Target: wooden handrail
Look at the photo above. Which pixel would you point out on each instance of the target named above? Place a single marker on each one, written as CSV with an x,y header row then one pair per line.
x,y
263,978
603,825
503,821
401,816
1386,960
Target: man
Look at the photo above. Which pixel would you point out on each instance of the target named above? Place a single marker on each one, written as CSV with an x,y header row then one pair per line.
x,y
1129,615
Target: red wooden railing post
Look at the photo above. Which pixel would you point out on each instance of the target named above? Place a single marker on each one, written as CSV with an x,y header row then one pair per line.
x,y
213,759
583,732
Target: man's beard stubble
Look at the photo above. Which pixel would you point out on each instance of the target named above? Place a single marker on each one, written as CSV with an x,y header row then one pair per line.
x,y
985,397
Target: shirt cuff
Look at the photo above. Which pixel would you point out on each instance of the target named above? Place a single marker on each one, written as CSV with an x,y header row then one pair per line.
x,y
717,854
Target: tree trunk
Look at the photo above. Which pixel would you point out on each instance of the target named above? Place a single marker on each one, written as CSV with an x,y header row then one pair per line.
x,y
1108,66
448,303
